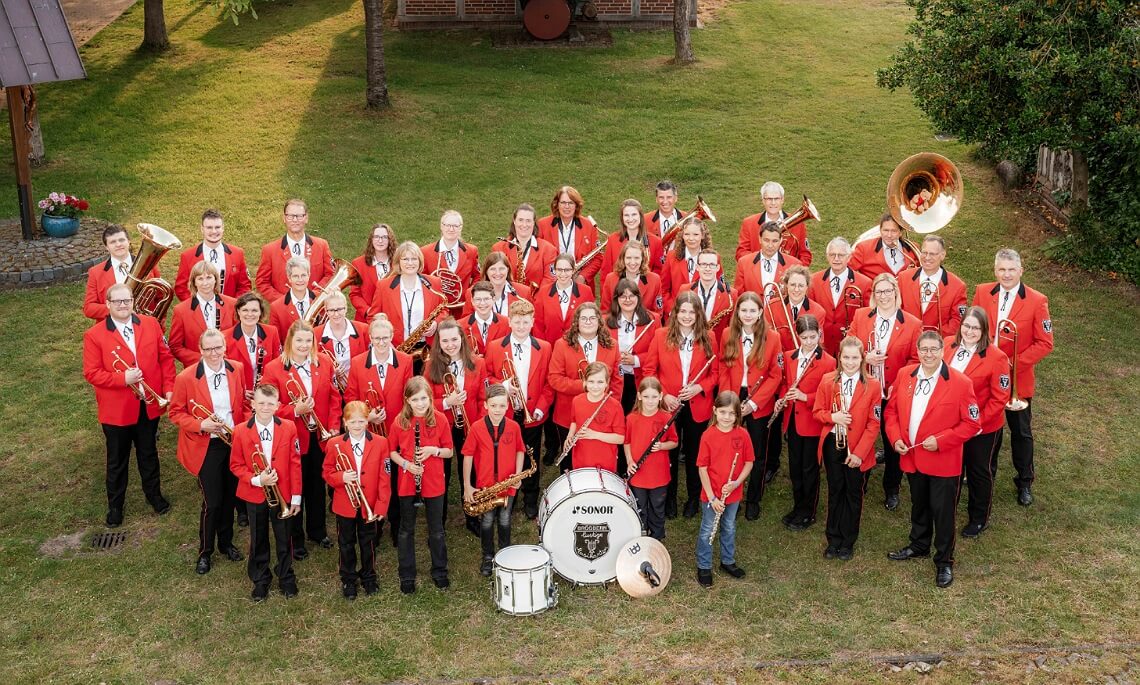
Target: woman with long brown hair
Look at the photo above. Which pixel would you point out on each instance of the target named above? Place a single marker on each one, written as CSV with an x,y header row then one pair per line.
x,y
372,266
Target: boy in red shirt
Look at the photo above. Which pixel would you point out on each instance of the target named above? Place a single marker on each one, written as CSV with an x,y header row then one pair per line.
x,y
723,462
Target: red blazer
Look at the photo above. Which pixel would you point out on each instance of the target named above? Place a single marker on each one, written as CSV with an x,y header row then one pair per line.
x,y
327,400
640,350
903,346
585,239
514,291
358,340
480,447
99,278
749,238
1030,313
192,384
362,375
653,222
988,370
951,417
616,241
548,321
664,362
286,460
869,259
609,419
865,417
539,392
748,267
187,325
768,371
273,282
387,300
836,323
539,265
649,285
563,375
675,275
823,365
777,321
361,294
476,393
724,299
283,313
951,301
498,328
235,279
116,402
467,269
375,465
236,349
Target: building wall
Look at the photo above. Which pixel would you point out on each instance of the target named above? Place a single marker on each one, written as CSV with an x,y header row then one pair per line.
x,y
444,13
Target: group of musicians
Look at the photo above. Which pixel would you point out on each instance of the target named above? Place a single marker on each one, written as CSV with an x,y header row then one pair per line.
x,y
505,361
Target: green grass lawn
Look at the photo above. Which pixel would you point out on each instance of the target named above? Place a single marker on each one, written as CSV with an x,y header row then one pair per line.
x,y
242,118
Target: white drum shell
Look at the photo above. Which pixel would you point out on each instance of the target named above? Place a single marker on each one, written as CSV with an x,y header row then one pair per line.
x,y
523,580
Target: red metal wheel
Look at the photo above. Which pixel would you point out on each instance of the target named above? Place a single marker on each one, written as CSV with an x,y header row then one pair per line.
x,y
546,19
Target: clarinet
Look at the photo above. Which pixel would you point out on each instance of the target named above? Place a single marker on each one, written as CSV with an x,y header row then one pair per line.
x,y
419,478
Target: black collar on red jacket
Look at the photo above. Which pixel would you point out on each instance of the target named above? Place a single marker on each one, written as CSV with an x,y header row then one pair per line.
x,y
826,275
764,218
202,367
981,353
396,281
943,371
289,296
573,289
506,342
225,248
111,321
459,244
395,359
898,314
657,215
285,240
760,255
238,334
806,306
1020,289
253,420
352,332
556,222
471,320
918,272
107,264
818,354
219,301
903,245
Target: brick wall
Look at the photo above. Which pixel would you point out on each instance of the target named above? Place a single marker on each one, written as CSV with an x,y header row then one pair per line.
x,y
431,8
463,12
619,7
486,7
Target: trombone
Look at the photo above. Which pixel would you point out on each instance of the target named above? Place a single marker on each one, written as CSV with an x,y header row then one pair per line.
x,y
142,391
297,394
852,302
774,293
202,413
929,294
1007,330
272,493
354,490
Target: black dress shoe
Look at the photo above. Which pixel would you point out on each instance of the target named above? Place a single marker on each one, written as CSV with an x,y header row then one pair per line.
x,y
671,509
807,521
348,590
691,508
769,475
371,588
243,519
752,511
487,566
1024,497
892,502
473,526
441,583
732,570
830,552
290,591
260,592
845,554
300,554
945,577
704,577
161,506
203,566
905,553
233,554
531,513
973,530
325,542
796,523
407,586
114,518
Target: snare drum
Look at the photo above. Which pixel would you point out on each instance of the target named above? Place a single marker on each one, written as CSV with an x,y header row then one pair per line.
x,y
524,583
584,518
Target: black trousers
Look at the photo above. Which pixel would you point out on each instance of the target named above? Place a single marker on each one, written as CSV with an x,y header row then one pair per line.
x,y
393,516
844,497
1021,445
892,472
628,393
142,435
549,435
501,516
532,438
313,493
560,435
651,504
803,467
977,456
690,432
406,544
351,534
261,518
759,433
932,504
772,449
217,483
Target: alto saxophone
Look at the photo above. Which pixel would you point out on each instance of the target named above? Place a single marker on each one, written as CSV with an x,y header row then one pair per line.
x,y
491,497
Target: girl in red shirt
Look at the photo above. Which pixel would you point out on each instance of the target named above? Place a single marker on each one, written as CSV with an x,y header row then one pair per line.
x,y
725,460
597,442
420,439
647,455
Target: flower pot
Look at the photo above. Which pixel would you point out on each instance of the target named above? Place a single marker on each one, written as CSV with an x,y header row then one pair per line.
x,y
59,226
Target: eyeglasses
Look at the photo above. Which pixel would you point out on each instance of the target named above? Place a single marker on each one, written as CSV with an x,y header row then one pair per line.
x,y
564,269
295,217
710,265
836,255
773,199
338,310
213,350
929,350
587,319
567,203
882,293
452,225
121,303
970,327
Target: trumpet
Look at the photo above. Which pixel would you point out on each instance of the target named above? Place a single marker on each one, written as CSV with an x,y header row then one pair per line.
x,y
877,371
354,490
203,413
142,391
700,212
774,293
517,401
450,386
929,293
852,301
297,394
1007,330
339,379
838,404
272,493
373,399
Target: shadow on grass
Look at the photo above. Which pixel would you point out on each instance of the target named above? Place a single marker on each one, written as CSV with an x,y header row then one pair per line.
x,y
274,19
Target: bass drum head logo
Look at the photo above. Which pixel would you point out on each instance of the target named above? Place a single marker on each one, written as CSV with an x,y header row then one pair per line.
x,y
591,540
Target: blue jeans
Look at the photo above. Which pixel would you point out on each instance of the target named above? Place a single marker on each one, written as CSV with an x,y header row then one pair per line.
x,y
727,535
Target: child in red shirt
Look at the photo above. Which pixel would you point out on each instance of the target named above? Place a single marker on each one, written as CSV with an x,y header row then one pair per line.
x,y
723,462
596,443
647,454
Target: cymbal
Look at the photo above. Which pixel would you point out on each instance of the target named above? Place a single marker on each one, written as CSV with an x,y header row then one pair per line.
x,y
644,567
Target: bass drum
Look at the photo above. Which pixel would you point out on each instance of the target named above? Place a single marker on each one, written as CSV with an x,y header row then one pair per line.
x,y
584,519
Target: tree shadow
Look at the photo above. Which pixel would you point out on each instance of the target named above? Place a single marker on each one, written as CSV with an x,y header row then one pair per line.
x,y
274,19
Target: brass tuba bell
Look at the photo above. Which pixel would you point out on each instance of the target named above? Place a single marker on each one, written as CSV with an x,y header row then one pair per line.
x,y
152,295
924,193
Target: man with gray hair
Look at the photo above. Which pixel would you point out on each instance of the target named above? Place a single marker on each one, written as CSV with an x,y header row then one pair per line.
x,y
840,290
1023,330
795,240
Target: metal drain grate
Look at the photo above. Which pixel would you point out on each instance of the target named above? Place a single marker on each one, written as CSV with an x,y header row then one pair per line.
x,y
105,541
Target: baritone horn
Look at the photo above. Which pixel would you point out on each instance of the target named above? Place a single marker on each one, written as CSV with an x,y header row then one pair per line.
x,y
343,277
152,295
701,212
789,242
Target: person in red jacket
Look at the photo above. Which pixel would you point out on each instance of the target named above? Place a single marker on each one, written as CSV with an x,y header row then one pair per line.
x,y
987,367
717,299
229,260
250,341
887,254
372,266
597,423
272,278
633,264
206,308
633,228
681,262
121,354
555,302
725,460
796,244
840,290
295,303
358,460
931,414
683,357
571,233
209,400
632,327
504,291
804,369
273,444
649,435
537,254
751,362
932,293
493,452
666,215
1010,300
890,335
420,442
106,274
847,403
410,298
756,271
450,252
791,300
483,325
341,338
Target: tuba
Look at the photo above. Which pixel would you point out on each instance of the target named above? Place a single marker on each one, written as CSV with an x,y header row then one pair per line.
x,y
788,242
701,212
152,295
344,276
924,193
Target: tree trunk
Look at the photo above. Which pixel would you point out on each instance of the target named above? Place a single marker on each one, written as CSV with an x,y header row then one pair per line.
x,y
376,93
35,133
683,46
1080,198
154,26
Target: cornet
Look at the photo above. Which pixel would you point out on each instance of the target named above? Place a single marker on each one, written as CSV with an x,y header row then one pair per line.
x,y
1007,330
340,380
203,413
877,371
451,386
518,401
297,394
142,391
354,490
374,401
272,493
838,404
